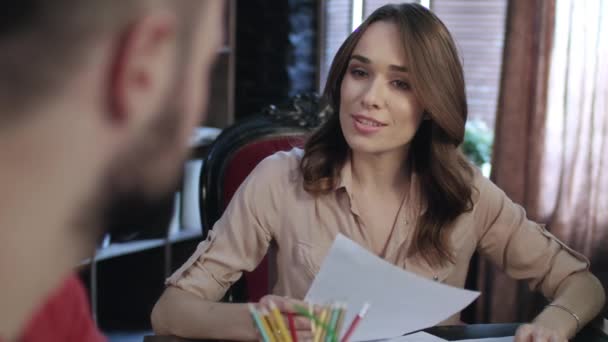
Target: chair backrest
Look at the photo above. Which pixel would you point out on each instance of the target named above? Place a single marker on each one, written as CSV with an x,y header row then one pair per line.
x,y
235,153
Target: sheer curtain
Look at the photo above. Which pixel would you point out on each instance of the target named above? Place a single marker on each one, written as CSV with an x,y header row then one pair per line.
x,y
551,148
577,131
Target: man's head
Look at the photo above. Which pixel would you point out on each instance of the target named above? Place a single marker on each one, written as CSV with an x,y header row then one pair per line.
x,y
98,102
134,71
44,43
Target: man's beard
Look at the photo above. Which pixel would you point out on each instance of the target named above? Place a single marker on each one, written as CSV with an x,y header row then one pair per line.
x,y
135,215
126,210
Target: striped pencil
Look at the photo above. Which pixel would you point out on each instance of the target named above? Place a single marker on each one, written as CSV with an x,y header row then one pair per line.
x,y
273,331
355,322
261,325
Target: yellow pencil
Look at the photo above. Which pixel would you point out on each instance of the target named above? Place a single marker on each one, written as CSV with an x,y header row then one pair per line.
x,y
272,328
278,318
265,325
324,320
312,322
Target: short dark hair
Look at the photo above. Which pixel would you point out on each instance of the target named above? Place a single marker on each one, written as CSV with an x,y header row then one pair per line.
x,y
42,40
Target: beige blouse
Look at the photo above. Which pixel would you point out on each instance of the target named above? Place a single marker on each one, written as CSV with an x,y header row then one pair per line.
x,y
272,204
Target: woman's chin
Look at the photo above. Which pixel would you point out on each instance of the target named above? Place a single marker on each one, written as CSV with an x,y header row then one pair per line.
x,y
364,147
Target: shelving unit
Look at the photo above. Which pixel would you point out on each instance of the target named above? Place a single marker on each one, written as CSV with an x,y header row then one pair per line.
x,y
115,250
221,100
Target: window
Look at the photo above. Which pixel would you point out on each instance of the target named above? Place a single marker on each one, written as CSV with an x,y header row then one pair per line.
x,y
336,26
478,29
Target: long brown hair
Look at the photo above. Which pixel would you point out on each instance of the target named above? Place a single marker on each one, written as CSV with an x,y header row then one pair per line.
x,y
438,83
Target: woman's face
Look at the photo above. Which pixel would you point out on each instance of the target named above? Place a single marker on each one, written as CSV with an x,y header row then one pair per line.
x,y
379,112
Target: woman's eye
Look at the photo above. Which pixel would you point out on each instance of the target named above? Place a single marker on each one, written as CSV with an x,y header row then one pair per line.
x,y
401,84
358,73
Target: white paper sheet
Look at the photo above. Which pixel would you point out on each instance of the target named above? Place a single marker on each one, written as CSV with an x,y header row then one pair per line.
x,y
416,337
401,302
425,337
492,339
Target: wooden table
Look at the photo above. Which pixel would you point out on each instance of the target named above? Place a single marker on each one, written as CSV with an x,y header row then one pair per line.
x,y
451,333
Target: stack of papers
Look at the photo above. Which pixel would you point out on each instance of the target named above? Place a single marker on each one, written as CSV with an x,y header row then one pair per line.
x,y
401,302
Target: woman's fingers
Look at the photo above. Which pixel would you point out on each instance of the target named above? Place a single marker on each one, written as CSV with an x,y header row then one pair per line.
x,y
305,335
302,323
284,304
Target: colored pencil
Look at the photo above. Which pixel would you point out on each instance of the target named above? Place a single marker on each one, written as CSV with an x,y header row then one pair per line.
x,y
326,321
312,321
320,324
272,329
355,322
292,327
260,324
278,317
338,329
335,313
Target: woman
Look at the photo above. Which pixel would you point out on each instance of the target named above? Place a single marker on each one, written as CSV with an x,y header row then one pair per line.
x,y
385,171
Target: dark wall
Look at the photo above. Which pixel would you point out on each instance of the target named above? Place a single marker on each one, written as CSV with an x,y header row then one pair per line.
x,y
276,49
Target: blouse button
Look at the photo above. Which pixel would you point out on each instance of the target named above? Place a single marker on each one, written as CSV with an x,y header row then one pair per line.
x,y
435,278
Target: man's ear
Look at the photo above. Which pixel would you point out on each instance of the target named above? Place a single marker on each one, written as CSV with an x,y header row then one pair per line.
x,y
142,68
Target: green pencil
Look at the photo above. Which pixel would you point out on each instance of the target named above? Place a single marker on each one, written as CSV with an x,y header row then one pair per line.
x,y
304,312
332,323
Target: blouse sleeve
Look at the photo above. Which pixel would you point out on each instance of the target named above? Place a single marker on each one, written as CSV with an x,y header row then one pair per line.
x,y
239,239
525,250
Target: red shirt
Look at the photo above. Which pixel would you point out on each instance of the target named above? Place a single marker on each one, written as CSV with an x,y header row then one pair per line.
x,y
64,317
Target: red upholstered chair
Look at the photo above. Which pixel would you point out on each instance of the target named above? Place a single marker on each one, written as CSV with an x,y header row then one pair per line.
x,y
235,153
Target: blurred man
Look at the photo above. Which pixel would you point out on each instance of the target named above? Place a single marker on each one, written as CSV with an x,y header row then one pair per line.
x,y
98,99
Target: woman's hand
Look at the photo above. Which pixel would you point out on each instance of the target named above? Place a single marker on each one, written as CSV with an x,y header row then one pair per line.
x,y
287,306
537,333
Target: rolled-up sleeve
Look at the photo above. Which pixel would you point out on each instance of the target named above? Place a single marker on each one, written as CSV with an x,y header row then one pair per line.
x,y
524,249
239,239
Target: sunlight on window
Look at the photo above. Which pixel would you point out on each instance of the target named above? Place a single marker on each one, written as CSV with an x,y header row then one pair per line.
x,y
357,16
